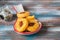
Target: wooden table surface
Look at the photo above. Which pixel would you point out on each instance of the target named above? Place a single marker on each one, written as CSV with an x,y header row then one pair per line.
x,y
47,13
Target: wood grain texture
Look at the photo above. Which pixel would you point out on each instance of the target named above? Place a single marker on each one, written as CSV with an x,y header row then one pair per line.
x,y
50,20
